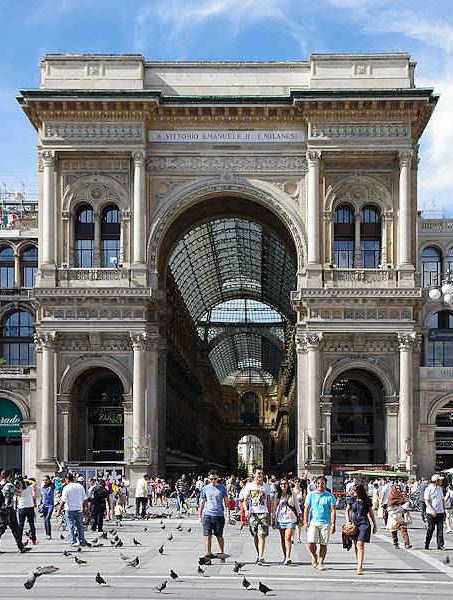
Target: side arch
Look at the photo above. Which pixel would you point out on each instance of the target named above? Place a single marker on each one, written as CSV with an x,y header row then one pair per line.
x,y
19,401
73,371
346,364
189,195
436,405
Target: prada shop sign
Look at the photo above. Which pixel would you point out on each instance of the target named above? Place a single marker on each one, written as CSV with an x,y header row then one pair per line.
x,y
225,136
106,415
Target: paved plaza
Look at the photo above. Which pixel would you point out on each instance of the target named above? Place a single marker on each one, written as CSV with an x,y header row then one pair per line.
x,y
415,573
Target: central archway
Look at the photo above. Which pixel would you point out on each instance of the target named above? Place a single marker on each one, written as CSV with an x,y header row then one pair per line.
x,y
250,454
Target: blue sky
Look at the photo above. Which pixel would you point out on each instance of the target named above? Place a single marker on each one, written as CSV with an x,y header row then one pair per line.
x,y
229,30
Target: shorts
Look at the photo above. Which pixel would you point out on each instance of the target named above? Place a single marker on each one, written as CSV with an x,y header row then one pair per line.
x,y
259,524
213,525
318,534
286,525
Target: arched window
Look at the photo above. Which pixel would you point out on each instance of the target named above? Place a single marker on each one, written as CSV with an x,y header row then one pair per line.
x,y
343,238
431,266
18,345
110,236
6,267
29,266
250,410
439,345
370,237
84,237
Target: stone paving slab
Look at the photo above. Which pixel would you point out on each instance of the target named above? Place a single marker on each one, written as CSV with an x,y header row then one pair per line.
x,y
416,573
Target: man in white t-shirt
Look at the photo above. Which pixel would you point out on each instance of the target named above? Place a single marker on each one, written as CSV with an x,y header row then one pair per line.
x,y
75,498
257,509
435,511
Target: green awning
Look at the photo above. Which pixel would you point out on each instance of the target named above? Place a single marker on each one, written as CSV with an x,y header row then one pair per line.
x,y
10,419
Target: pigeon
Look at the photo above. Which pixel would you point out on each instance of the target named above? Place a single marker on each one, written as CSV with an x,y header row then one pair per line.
x,y
204,560
95,541
98,545
30,582
237,566
80,561
161,550
116,538
161,586
62,537
162,526
145,529
100,579
47,570
134,563
263,588
119,543
170,537
112,542
179,527
161,522
200,571
136,542
79,549
189,529
66,553
446,560
124,557
104,535
113,531
246,584
173,575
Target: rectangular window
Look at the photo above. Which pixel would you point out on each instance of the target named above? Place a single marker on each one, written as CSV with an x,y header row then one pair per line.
x,y
343,253
110,253
29,277
7,277
371,253
430,274
85,253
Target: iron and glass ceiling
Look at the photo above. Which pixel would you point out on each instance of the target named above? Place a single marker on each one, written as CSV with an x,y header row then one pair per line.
x,y
235,277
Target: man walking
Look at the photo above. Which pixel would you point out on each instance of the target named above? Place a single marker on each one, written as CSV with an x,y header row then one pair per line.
x,y
75,498
181,488
97,498
8,516
141,496
257,510
320,516
435,511
213,504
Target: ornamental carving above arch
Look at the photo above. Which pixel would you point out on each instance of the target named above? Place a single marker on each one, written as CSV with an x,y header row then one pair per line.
x,y
359,191
259,192
97,190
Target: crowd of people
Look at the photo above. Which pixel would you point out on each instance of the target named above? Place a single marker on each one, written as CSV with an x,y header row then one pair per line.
x,y
261,503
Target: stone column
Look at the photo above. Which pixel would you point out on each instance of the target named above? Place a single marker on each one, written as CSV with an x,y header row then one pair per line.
x,y
162,414
313,237
385,221
326,411
302,458
152,403
313,393
46,343
328,231
97,253
48,208
139,208
357,247
17,274
391,407
405,213
138,397
406,343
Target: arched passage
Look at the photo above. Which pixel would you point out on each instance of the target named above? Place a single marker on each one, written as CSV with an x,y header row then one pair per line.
x,y
444,434
97,417
250,453
357,421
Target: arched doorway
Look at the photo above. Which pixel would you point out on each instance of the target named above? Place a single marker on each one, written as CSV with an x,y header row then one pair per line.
x,y
357,422
444,436
10,435
250,409
250,454
97,417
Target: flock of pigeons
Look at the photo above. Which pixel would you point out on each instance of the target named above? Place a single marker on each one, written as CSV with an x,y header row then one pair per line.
x,y
134,562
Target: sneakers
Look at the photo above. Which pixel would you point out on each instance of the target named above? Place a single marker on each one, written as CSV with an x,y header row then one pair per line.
x,y
24,549
260,561
288,561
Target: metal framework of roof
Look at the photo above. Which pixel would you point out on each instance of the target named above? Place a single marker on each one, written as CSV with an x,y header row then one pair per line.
x,y
235,277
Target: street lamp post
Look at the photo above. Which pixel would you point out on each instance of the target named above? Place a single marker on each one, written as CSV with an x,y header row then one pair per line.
x,y
445,291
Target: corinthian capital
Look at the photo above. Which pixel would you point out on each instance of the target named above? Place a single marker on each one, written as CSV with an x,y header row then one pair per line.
x,y
304,341
313,156
407,341
139,340
47,158
405,157
139,158
46,340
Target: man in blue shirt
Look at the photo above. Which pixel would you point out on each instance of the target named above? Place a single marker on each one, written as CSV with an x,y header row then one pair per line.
x,y
213,503
320,516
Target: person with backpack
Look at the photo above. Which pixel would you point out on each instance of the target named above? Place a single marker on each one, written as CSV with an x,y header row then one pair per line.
x,y
97,499
286,516
8,516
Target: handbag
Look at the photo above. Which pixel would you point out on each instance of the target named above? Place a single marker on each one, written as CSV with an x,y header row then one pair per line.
x,y
350,529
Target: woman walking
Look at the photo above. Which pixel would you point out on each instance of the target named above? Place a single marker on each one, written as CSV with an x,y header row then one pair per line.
x,y
359,511
300,495
47,504
397,517
26,503
286,515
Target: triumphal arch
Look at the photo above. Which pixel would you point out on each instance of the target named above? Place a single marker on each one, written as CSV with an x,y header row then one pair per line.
x,y
227,252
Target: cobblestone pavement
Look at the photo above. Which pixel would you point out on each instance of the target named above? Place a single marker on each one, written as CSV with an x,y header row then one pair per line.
x,y
415,573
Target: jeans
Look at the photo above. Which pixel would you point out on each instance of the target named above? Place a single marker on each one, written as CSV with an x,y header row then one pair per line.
x,y
47,515
181,498
97,514
29,515
143,502
423,509
438,523
75,520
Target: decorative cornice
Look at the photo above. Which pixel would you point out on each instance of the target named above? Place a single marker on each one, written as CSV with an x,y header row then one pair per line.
x,y
366,292
72,131
218,164
359,131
